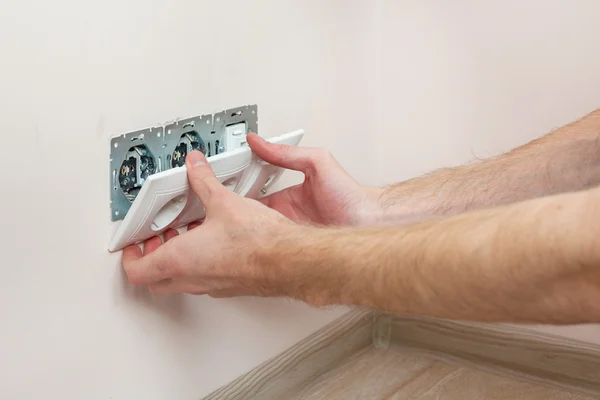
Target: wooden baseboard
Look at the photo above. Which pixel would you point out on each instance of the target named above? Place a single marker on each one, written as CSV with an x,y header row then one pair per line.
x,y
319,352
512,351
501,349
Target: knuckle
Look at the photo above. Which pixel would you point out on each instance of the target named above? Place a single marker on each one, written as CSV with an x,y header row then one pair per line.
x,y
319,157
284,149
322,154
162,267
166,267
177,263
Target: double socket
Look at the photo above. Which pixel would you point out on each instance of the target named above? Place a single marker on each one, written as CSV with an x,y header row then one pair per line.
x,y
134,156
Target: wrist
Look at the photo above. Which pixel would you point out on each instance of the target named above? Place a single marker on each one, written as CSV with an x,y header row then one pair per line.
x,y
305,263
369,211
398,205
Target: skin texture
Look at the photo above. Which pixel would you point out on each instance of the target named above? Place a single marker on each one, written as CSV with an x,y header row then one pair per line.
x,y
509,239
535,261
561,161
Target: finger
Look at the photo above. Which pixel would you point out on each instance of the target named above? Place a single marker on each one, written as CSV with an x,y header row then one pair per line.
x,y
267,200
283,155
170,234
203,181
147,269
152,244
171,286
131,254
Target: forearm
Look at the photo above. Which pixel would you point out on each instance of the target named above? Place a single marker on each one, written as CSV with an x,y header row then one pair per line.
x,y
534,261
565,160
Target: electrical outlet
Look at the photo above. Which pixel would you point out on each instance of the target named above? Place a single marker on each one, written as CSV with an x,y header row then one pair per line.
x,y
166,200
135,156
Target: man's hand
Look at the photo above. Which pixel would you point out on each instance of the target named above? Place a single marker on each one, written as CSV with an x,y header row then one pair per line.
x,y
222,256
328,195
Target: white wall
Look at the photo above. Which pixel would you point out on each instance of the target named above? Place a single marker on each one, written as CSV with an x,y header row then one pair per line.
x,y
473,78
394,88
466,78
74,73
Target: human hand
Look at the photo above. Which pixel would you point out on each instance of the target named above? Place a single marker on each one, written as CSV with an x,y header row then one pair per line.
x,y
225,256
328,195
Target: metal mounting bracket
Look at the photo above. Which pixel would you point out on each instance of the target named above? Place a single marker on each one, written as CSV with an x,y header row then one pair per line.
x,y
134,156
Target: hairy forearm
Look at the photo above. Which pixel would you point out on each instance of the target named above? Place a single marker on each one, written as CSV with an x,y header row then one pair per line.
x,y
534,261
567,159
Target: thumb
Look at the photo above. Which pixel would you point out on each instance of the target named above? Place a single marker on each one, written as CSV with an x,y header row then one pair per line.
x,y
202,179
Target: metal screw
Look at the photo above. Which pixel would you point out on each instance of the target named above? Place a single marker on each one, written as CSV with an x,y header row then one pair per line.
x,y
221,149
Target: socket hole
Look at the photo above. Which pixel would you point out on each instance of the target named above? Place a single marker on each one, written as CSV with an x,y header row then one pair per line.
x,y
237,114
230,183
138,165
169,212
188,125
188,142
212,133
269,181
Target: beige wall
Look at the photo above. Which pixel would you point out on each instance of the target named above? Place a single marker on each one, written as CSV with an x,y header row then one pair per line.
x,y
393,88
475,78
464,79
75,73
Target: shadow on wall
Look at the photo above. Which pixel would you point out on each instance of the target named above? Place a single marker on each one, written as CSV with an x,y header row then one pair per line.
x,y
182,309
172,307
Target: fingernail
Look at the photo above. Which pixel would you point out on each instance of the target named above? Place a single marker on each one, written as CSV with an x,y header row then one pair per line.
x,y
196,158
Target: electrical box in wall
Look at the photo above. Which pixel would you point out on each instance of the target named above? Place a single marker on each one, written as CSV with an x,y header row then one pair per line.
x,y
135,156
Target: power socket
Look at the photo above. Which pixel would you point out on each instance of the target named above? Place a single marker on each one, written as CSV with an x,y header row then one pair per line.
x,y
134,156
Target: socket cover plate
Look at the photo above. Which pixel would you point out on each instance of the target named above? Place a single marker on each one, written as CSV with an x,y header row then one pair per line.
x,y
166,201
161,142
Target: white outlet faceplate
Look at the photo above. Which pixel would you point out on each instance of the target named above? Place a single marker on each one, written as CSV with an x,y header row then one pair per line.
x,y
135,156
166,201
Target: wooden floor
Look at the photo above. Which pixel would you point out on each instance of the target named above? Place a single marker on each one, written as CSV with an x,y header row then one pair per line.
x,y
398,373
366,355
